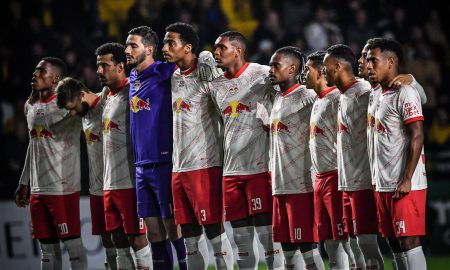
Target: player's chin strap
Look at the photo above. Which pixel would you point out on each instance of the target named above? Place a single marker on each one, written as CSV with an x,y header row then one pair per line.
x,y
207,69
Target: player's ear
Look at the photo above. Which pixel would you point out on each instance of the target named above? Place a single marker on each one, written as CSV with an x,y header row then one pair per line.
x,y
391,62
149,50
187,48
121,66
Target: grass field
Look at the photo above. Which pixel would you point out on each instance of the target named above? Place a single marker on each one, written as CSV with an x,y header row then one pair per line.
x,y
433,263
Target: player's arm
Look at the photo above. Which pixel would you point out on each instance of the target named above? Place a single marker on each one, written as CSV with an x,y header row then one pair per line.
x,y
22,194
415,130
408,79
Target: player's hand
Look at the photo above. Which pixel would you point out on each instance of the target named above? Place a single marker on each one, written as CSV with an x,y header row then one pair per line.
x,y
22,196
207,69
402,189
400,80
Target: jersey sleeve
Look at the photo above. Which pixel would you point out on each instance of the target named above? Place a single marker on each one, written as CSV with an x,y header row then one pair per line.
x,y
409,105
25,176
415,84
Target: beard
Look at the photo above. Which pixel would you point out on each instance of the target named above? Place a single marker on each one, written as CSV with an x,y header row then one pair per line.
x,y
139,59
84,109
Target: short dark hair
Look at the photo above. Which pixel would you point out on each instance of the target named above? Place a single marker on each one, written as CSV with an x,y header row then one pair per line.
x,y
116,49
387,45
235,36
58,64
296,53
343,53
67,89
149,37
316,59
187,34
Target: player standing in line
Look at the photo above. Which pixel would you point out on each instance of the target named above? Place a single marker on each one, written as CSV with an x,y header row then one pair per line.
x,y
353,162
401,183
243,96
290,162
197,154
75,97
119,171
151,136
328,210
52,171
399,256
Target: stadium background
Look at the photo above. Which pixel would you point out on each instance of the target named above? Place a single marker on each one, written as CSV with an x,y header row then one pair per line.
x,y
32,29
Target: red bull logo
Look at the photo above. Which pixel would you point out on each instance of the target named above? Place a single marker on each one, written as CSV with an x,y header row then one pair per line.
x,y
370,121
137,104
315,130
235,108
379,127
108,125
277,126
342,128
41,132
91,137
180,105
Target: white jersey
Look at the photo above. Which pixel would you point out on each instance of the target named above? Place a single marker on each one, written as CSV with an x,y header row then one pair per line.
x,y
396,109
119,170
353,158
290,159
373,100
197,143
244,102
323,131
93,133
52,165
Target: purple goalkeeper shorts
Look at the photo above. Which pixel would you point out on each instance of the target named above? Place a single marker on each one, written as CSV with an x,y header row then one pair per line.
x,y
154,190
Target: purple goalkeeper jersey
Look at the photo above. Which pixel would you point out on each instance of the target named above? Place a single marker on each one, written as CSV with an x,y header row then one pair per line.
x,y
151,113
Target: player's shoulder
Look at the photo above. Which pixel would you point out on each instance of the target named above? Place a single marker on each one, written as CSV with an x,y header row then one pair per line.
x,y
255,67
164,67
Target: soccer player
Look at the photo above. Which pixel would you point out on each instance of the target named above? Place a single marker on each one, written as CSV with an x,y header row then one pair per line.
x,y
328,211
72,95
243,96
290,162
398,255
401,183
354,173
150,102
197,154
119,171
52,171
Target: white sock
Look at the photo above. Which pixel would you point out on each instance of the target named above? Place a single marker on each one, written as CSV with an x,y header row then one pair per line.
x,y
358,255
400,261
144,258
223,253
372,254
313,260
336,254
110,262
247,254
416,259
293,259
77,256
348,251
272,251
50,257
124,259
196,252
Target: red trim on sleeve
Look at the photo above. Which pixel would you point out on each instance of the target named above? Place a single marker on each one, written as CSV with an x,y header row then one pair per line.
x,y
95,102
292,88
121,85
189,70
414,119
348,86
324,93
50,98
241,70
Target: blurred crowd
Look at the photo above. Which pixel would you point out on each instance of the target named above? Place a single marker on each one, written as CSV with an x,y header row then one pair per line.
x,y
72,30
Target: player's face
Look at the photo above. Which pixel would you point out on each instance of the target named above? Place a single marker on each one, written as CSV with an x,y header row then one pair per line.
x,y
136,51
225,53
362,63
377,65
77,106
282,68
330,68
174,50
311,75
44,76
107,70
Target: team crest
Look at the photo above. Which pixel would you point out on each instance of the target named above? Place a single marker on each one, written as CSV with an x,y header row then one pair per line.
x,y
233,90
137,85
181,84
